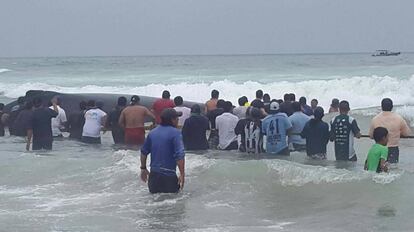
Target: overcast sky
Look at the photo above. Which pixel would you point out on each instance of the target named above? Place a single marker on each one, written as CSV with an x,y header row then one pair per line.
x,y
157,27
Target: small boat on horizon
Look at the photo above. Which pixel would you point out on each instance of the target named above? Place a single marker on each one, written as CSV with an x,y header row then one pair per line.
x,y
385,53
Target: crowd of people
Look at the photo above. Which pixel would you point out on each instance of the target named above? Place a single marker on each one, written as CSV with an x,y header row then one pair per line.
x,y
264,125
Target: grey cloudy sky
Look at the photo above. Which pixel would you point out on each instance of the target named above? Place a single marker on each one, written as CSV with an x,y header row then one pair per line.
x,y
156,27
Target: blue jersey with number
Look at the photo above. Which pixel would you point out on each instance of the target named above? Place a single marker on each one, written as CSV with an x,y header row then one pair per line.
x,y
275,128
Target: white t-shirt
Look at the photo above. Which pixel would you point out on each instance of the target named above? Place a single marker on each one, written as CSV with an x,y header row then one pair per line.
x,y
58,121
225,125
93,123
186,114
240,111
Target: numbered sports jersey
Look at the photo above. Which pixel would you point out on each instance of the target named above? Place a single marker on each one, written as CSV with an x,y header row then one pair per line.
x,y
343,130
275,127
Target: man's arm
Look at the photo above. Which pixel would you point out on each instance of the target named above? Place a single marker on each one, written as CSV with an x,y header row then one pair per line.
x,y
383,165
54,104
405,130
355,129
181,167
121,120
144,170
150,114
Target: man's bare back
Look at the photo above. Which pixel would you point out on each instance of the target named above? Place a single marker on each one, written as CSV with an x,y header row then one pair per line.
x,y
211,105
134,116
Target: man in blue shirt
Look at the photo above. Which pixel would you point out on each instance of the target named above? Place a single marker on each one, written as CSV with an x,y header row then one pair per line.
x,y
298,120
165,144
275,127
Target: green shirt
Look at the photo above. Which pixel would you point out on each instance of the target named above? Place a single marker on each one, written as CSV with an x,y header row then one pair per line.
x,y
376,153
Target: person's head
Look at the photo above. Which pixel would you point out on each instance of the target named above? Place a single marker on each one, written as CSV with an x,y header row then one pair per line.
x,y
215,94
381,135
221,103
318,113
302,101
178,101
1,106
344,107
20,100
91,103
259,94
228,107
255,113
169,117
56,99
296,107
82,105
134,100
292,97
100,105
266,97
274,107
335,103
280,101
196,109
386,104
37,102
286,97
122,101
166,94
314,103
242,101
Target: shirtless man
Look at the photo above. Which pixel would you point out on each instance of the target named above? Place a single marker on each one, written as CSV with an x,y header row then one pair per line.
x,y
212,103
132,118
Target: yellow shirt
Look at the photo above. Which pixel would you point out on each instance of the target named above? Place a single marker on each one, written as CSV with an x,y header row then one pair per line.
x,y
395,125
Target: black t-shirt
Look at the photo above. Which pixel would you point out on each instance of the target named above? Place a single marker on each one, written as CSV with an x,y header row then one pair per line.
x,y
75,124
212,115
41,123
194,133
287,108
22,123
258,104
316,134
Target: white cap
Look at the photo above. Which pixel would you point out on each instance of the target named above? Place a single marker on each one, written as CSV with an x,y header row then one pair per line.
x,y
274,106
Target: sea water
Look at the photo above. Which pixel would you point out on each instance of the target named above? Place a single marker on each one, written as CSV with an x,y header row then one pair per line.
x,y
78,187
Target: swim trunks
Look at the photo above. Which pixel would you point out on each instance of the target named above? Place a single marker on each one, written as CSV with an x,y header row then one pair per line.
x,y
134,136
393,154
159,183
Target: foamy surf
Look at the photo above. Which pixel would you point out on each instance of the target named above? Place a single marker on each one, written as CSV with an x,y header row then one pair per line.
x,y
3,70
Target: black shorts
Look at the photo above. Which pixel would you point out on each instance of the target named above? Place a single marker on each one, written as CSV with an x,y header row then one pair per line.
x,y
160,183
299,147
39,144
91,140
393,155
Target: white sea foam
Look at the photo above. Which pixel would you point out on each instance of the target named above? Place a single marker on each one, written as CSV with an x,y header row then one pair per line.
x,y
2,70
360,91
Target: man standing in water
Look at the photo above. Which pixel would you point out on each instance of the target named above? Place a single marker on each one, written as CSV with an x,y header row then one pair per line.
x,y
95,120
40,127
59,121
76,121
132,119
343,130
165,144
3,119
118,133
161,104
395,125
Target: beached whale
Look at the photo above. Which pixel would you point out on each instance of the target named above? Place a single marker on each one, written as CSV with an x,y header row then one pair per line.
x,y
70,102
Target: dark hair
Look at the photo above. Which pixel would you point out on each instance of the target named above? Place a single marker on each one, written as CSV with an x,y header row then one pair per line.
x,y
315,100
318,113
166,94
37,102
1,106
266,97
280,101
380,133
82,105
214,94
122,101
302,100
221,103
292,97
335,103
91,103
344,106
100,104
386,104
242,101
196,109
28,105
255,113
228,106
286,97
178,100
20,100
259,94
296,106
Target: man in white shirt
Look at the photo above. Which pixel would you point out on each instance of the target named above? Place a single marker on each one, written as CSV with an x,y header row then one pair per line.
x,y
58,123
95,119
178,101
225,124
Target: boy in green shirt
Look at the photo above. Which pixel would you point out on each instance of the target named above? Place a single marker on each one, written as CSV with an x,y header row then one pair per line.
x,y
377,155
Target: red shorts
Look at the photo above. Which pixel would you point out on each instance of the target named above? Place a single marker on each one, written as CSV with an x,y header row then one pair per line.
x,y
134,136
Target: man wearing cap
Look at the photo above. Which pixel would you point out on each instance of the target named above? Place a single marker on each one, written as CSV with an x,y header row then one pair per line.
x,y
396,126
165,144
194,130
132,119
343,130
276,126
161,104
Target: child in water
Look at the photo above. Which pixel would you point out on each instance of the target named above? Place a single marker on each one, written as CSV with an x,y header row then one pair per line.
x,y
377,155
